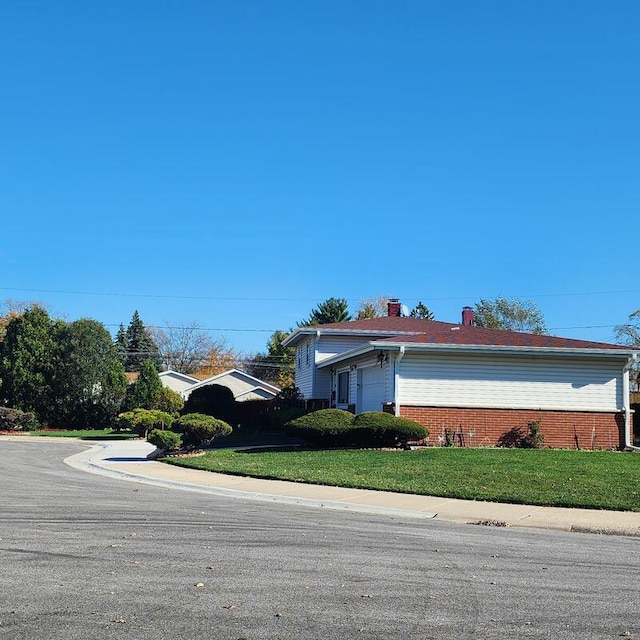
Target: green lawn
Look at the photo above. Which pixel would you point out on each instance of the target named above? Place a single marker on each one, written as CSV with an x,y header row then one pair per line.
x,y
86,434
599,479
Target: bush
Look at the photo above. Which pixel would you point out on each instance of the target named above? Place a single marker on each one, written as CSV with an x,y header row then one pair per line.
x,y
327,427
170,401
212,400
164,439
141,421
380,429
517,438
199,429
16,420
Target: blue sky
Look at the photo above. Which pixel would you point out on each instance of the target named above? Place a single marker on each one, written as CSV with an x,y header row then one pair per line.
x,y
234,163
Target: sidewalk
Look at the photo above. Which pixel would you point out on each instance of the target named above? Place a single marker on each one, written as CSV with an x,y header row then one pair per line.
x,y
127,460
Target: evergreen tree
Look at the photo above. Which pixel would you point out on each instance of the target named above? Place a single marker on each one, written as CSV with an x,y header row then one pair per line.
x,y
122,344
146,391
140,346
327,312
422,311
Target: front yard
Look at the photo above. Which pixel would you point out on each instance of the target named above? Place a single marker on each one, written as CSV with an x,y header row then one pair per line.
x,y
588,479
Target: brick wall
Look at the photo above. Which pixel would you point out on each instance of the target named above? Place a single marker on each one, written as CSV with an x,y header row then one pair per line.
x,y
485,427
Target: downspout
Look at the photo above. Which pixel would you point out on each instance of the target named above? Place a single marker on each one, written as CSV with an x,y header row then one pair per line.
x,y
628,430
396,381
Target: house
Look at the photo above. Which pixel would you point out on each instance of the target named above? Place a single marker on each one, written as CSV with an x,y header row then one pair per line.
x,y
473,382
244,386
177,381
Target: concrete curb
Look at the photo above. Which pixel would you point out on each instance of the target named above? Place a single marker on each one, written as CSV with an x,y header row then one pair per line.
x,y
92,461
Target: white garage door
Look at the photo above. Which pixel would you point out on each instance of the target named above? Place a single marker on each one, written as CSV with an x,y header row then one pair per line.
x,y
371,389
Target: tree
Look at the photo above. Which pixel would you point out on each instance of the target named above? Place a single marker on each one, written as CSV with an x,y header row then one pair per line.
x,y
421,311
89,383
29,362
327,312
146,391
372,308
14,309
513,315
277,365
139,346
220,358
122,344
629,333
183,348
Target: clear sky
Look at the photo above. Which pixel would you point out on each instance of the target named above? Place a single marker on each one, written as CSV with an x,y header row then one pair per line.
x,y
235,162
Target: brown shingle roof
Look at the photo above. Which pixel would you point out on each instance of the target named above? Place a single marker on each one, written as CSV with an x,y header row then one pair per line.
x,y
418,331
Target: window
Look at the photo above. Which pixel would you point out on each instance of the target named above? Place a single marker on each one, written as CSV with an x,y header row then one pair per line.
x,y
308,352
343,387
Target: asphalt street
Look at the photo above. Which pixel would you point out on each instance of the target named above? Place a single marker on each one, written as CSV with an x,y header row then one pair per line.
x,y
89,557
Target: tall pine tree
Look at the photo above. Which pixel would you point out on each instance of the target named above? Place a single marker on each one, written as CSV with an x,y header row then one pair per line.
x,y
140,345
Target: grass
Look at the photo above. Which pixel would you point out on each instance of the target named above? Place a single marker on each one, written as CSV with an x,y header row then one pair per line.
x,y
587,479
85,434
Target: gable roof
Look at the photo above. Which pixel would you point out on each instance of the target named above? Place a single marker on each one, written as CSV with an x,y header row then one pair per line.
x,y
415,332
170,373
251,382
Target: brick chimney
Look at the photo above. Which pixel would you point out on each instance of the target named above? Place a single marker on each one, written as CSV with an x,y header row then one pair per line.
x,y
394,308
467,316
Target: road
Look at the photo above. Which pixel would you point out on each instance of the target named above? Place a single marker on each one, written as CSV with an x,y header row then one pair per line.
x,y
89,557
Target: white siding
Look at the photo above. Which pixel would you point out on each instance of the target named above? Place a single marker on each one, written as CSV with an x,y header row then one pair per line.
x,y
304,367
511,382
329,346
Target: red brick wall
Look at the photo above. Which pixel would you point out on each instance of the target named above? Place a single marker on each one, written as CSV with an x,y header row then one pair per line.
x,y
485,427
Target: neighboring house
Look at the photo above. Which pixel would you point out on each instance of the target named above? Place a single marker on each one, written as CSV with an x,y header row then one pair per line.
x,y
243,386
177,381
476,382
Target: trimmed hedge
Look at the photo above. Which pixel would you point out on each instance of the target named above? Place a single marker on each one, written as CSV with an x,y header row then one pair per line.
x,y
164,439
336,428
328,427
377,428
198,429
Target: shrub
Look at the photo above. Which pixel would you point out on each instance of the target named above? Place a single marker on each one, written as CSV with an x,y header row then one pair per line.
x,y
199,429
327,427
16,420
212,400
170,401
141,421
164,439
380,429
517,438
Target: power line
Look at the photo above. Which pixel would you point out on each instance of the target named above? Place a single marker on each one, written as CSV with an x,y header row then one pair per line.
x,y
307,299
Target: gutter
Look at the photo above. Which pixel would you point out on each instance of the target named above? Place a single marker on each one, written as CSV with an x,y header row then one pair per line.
x,y
396,381
628,430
